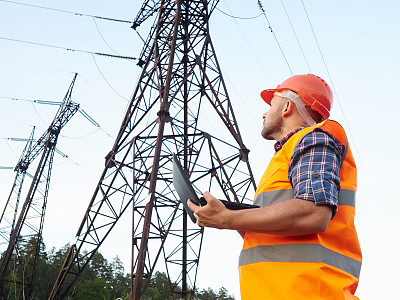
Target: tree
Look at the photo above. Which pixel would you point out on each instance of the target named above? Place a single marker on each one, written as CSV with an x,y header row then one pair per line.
x,y
101,280
210,294
159,288
120,283
206,294
93,289
223,294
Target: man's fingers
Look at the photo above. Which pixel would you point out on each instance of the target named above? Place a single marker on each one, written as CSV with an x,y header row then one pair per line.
x,y
189,204
207,195
193,207
210,198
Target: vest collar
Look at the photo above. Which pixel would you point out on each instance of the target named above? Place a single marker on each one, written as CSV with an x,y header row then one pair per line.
x,y
279,144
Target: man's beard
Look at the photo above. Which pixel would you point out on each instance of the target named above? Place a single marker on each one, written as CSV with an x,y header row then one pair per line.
x,y
272,127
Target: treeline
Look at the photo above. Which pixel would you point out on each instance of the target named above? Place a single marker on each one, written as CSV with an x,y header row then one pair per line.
x,y
101,279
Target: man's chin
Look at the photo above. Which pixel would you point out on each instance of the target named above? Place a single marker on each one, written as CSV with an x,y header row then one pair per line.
x,y
266,136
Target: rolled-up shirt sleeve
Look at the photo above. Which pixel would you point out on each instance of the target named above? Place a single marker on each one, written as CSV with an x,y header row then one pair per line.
x,y
314,169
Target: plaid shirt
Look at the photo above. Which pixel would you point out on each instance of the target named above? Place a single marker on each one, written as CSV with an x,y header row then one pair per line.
x,y
314,167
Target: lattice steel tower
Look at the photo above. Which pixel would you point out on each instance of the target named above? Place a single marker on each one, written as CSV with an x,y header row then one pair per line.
x,y
179,101
24,226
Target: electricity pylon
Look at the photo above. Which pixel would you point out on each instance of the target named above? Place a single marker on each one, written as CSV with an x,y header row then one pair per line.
x,y
26,230
9,214
179,97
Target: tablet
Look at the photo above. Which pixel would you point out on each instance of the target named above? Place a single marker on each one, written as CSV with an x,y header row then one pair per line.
x,y
183,187
186,191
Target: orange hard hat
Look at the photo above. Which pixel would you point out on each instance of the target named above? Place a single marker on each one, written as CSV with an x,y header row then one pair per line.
x,y
314,91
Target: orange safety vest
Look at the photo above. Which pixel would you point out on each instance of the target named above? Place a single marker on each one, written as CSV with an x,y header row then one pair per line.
x,y
317,266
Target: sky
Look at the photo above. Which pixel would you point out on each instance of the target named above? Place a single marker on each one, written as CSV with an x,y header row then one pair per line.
x,y
353,45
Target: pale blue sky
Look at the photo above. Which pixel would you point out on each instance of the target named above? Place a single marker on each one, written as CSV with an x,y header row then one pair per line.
x,y
360,46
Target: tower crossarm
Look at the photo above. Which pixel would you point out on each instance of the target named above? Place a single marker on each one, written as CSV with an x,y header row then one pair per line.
x,y
149,7
65,112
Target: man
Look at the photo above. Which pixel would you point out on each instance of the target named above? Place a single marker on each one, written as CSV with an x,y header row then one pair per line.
x,y
301,243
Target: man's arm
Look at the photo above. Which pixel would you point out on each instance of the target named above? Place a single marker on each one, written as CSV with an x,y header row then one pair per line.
x,y
314,176
290,218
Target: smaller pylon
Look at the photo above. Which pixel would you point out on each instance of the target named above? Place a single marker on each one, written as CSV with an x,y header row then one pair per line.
x,y
9,214
27,230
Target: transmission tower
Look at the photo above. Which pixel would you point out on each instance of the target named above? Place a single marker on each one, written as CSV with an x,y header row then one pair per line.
x,y
180,96
27,229
9,214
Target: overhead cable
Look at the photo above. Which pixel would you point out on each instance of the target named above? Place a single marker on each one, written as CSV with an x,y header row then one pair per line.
x,y
251,49
273,33
9,146
326,67
69,49
69,12
37,113
102,37
235,17
295,35
36,66
105,79
341,108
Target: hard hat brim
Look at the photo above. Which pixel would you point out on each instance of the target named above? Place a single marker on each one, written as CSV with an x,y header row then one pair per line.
x,y
268,94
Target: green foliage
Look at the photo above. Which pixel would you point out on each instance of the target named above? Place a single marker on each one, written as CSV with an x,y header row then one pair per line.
x,y
159,287
100,280
209,294
119,284
92,289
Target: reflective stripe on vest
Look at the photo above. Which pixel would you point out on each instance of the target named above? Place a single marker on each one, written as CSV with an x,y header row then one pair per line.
x,y
300,252
346,197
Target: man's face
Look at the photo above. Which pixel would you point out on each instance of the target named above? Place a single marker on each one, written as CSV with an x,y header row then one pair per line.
x,y
272,119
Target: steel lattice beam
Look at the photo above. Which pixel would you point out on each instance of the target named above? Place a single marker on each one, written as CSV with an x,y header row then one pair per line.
x,y
180,83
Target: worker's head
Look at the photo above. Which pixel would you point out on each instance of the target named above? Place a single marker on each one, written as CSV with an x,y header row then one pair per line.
x,y
305,99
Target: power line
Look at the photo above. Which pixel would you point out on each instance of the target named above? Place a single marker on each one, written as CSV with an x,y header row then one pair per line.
x,y
326,67
69,12
235,17
102,37
105,79
69,49
12,151
295,35
37,113
36,66
251,48
273,33
341,108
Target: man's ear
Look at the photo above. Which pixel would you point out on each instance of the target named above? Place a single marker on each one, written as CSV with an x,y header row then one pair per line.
x,y
287,108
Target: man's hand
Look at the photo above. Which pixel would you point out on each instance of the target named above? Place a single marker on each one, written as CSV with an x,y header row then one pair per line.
x,y
214,214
